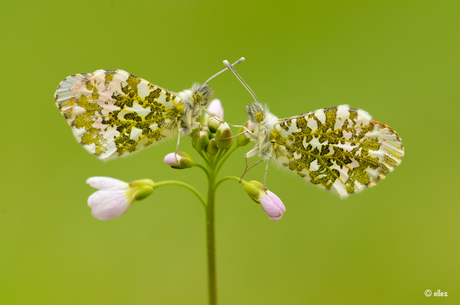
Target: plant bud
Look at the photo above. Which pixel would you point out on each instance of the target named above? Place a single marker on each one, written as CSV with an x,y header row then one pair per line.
x,y
213,124
223,136
200,140
242,139
254,189
212,148
143,192
179,160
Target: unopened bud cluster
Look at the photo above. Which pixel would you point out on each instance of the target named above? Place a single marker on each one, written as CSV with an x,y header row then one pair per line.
x,y
214,134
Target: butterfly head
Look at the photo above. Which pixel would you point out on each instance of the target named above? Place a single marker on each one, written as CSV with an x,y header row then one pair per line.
x,y
264,121
202,95
257,113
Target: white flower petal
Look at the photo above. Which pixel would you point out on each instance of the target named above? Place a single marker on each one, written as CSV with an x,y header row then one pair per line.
x,y
107,183
109,204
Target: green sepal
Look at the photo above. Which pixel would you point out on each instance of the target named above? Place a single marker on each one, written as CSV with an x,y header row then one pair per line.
x,y
185,161
223,136
212,147
254,189
242,139
200,140
143,192
141,182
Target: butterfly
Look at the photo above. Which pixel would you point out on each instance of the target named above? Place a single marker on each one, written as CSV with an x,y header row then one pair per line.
x,y
339,149
113,113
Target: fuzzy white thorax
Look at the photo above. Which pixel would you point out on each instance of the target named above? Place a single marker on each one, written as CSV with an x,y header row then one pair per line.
x,y
193,106
264,147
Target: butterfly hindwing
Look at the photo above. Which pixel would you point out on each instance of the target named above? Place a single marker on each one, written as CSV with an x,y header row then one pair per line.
x,y
113,113
340,149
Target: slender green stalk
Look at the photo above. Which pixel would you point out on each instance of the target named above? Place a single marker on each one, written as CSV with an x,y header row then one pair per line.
x,y
212,166
219,166
203,168
219,155
183,184
204,157
229,178
210,234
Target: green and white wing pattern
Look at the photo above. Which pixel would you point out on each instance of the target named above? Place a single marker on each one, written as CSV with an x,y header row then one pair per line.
x,y
340,149
113,113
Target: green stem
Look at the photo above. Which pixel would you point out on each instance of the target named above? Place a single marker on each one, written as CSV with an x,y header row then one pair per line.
x,y
232,150
183,184
210,234
219,155
214,168
203,168
230,178
204,158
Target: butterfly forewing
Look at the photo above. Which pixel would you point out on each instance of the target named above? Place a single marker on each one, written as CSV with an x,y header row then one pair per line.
x,y
340,149
113,113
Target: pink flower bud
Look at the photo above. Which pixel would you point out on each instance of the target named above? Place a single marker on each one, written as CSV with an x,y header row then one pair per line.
x,y
179,160
251,125
272,205
215,107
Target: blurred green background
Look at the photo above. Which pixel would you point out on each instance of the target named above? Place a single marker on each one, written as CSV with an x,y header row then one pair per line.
x,y
399,60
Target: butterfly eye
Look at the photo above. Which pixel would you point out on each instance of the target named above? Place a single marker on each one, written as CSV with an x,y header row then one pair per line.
x,y
198,97
259,116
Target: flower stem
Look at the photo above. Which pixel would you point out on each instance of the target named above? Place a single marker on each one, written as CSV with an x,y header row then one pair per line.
x,y
183,184
210,233
214,164
219,166
230,178
203,168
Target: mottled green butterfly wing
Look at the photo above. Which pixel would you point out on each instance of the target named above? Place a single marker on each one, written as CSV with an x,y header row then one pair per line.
x,y
340,149
113,113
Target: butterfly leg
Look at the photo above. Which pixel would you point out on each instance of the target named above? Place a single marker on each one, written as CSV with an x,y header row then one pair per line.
x,y
248,168
212,115
235,136
266,171
178,142
220,121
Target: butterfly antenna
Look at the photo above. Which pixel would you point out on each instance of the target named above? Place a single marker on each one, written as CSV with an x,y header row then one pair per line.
x,y
235,63
227,64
